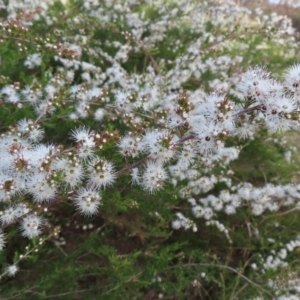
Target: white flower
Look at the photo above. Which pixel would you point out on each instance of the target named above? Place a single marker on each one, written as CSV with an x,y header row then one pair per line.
x,y
245,131
282,253
174,120
33,61
12,270
87,201
35,134
130,146
83,135
21,209
176,224
99,114
101,173
153,143
23,125
207,213
198,211
50,90
292,78
94,92
86,153
284,104
230,209
8,215
86,76
30,226
207,136
11,94
257,209
40,188
154,177
73,173
122,102
255,84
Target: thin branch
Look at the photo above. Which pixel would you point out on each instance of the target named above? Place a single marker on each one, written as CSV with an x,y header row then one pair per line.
x,y
280,214
135,165
223,267
248,110
144,160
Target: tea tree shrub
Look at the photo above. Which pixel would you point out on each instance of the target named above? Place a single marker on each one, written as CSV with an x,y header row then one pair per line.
x,y
146,151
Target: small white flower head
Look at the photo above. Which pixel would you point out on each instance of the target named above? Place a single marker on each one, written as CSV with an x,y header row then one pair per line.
x,y
82,109
40,153
30,226
122,102
31,131
86,76
86,153
282,253
159,144
230,209
8,216
35,134
245,131
23,125
33,60
176,224
73,174
84,136
70,75
257,209
21,209
99,114
87,201
50,90
284,104
292,79
44,106
182,222
101,173
8,90
40,188
255,84
207,137
174,120
187,155
10,94
198,211
192,201
74,89
208,213
73,116
154,177
12,270
208,109
95,92
130,146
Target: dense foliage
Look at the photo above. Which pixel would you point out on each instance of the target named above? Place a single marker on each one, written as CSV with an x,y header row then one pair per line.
x,y
148,151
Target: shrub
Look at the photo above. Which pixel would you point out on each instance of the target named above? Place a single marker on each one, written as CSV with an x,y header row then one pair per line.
x,y
145,145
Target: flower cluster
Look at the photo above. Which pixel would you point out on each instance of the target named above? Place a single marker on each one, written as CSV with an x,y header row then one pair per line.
x,y
165,125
